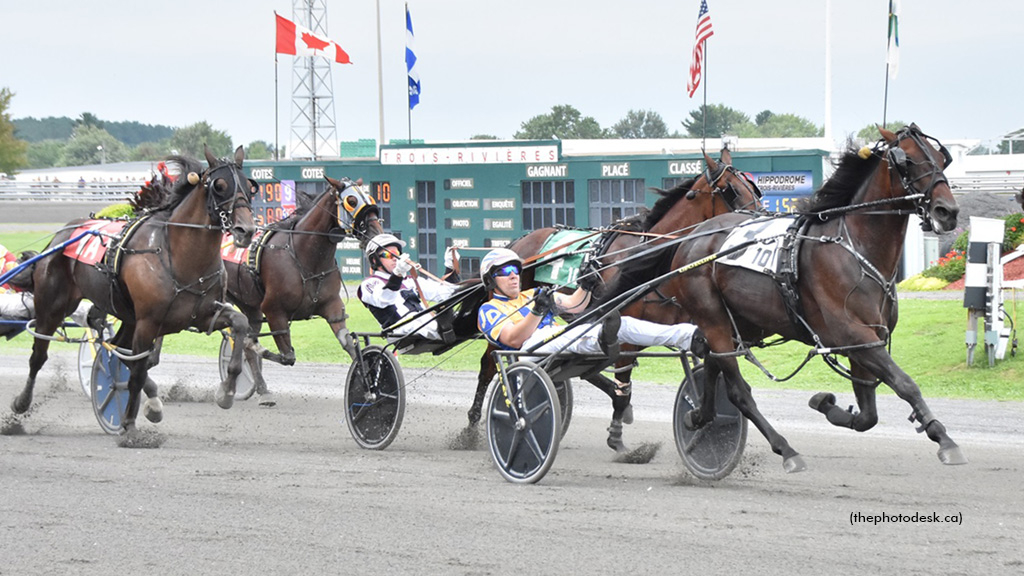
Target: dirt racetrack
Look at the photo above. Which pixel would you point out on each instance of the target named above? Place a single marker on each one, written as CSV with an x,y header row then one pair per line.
x,y
286,490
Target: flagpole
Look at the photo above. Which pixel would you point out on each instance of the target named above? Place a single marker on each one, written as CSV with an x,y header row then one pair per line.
x,y
380,84
408,95
277,146
704,78
885,103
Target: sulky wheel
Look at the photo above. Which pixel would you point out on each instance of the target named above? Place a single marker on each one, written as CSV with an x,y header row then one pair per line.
x,y
713,451
109,390
87,352
374,398
245,384
524,423
564,390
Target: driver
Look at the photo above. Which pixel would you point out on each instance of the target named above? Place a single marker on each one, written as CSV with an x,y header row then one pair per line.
x,y
395,289
519,319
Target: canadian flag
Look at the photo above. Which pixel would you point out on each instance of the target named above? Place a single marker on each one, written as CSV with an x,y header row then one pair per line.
x,y
299,41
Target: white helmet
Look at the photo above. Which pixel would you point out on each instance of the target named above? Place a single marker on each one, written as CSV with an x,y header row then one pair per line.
x,y
495,259
380,241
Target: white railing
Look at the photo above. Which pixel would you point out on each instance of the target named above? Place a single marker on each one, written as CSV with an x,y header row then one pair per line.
x,y
994,184
67,191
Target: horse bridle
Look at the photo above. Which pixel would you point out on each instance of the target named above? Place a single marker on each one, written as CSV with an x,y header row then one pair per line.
x,y
352,201
728,192
897,158
237,195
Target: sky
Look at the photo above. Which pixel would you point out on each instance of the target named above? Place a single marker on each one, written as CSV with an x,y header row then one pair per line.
x,y
488,66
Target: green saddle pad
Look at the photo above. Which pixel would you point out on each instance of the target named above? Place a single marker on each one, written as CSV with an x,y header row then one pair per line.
x,y
563,271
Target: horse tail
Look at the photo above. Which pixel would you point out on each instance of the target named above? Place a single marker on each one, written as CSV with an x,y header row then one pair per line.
x,y
23,281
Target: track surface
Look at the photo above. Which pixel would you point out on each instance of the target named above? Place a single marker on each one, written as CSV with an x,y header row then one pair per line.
x,y
286,491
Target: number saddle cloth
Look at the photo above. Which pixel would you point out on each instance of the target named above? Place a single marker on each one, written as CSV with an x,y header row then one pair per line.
x,y
104,246
774,251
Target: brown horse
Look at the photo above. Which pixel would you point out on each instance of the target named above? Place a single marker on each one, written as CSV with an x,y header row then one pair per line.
x,y
835,288
719,189
295,274
165,275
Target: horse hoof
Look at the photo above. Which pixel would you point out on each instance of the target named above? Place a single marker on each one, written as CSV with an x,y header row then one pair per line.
x,y
225,400
18,407
952,456
615,437
267,400
689,420
794,464
153,410
822,401
474,417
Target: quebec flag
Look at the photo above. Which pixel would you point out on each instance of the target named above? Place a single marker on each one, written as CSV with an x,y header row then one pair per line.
x,y
410,62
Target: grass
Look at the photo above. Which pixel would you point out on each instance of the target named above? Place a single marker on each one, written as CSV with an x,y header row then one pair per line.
x,y
928,344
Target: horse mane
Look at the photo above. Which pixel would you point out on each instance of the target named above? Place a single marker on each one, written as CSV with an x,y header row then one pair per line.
x,y
668,199
159,196
851,173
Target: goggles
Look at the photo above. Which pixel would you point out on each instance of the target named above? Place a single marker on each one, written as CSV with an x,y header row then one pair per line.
x,y
507,270
389,255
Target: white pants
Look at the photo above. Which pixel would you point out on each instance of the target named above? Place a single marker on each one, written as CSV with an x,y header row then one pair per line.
x,y
631,331
424,326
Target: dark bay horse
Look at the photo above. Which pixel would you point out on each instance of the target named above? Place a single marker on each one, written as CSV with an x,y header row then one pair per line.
x,y
295,275
718,190
839,261
163,276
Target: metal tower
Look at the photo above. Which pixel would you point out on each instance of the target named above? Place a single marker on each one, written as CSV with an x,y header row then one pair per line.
x,y
313,130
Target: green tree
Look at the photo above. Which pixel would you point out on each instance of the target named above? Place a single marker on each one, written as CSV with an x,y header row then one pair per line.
x,y
720,120
788,126
149,151
89,119
870,132
259,150
49,128
641,124
483,137
190,139
12,150
45,154
762,117
92,145
564,122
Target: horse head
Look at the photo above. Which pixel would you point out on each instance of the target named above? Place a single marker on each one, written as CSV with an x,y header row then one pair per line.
x,y
229,196
916,163
721,180
358,213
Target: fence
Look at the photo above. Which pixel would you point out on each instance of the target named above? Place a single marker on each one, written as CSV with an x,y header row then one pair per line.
x,y
68,191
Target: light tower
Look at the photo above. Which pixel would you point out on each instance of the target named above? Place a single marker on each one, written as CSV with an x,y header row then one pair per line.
x,y
314,133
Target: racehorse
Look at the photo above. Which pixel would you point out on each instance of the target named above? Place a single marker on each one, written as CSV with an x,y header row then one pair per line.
x,y
163,276
719,189
834,288
294,274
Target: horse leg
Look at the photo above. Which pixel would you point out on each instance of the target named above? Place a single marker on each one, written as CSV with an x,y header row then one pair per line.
x,y
229,317
153,409
878,362
864,390
143,339
740,395
487,371
334,313
278,322
251,355
622,410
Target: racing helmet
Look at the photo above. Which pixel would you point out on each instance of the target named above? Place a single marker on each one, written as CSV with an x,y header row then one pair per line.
x,y
376,243
495,259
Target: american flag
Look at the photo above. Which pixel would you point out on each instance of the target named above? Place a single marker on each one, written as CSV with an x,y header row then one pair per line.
x,y
704,32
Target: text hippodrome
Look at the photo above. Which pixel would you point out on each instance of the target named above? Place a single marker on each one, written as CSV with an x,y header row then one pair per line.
x,y
915,518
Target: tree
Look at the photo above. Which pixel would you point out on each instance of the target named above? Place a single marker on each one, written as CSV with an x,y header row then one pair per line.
x,y
45,154
189,141
870,132
12,150
92,145
483,137
762,117
788,126
259,150
148,151
89,119
720,120
641,124
564,122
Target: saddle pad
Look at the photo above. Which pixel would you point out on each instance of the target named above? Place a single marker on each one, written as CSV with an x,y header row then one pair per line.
x,y
563,271
231,253
764,255
92,248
